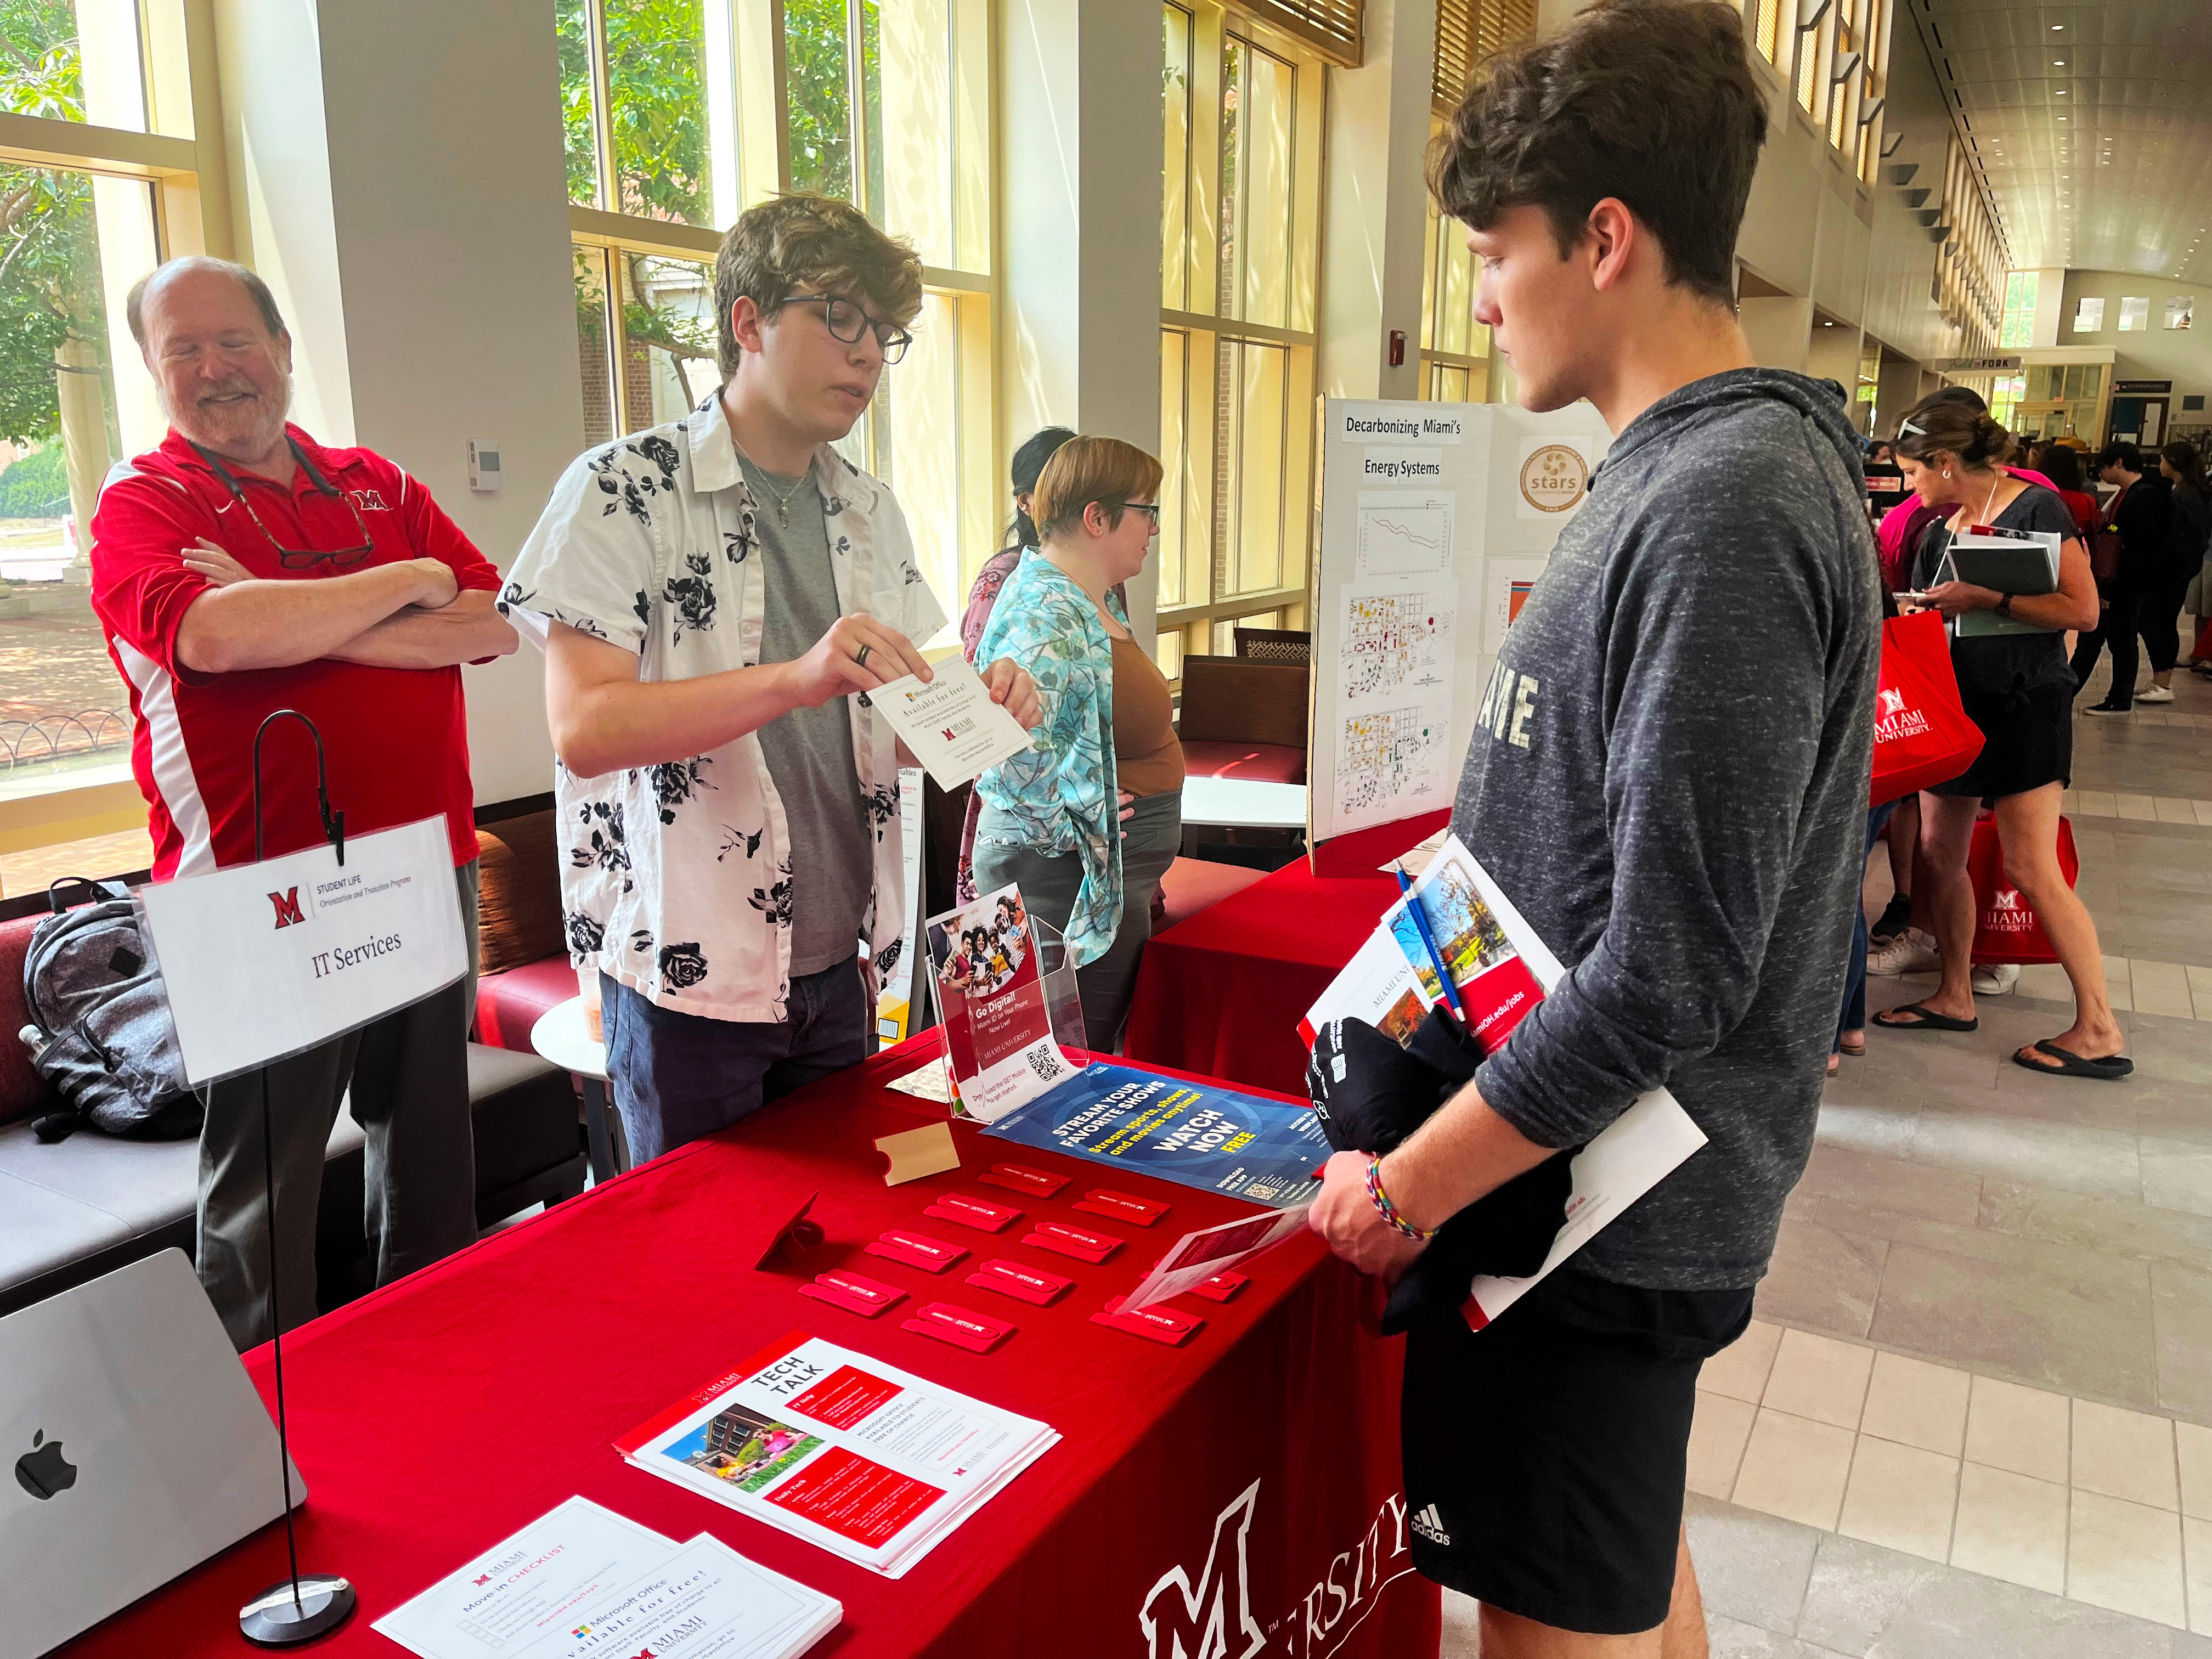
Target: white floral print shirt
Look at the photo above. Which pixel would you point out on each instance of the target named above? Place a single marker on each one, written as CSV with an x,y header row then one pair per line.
x,y
676,878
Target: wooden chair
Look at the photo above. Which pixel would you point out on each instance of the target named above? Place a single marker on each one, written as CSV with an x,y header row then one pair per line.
x,y
1239,700
1290,645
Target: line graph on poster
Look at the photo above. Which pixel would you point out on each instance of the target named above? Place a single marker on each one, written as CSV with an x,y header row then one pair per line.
x,y
1405,534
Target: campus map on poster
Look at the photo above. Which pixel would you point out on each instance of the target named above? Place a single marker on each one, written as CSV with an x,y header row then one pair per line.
x,y
1196,1135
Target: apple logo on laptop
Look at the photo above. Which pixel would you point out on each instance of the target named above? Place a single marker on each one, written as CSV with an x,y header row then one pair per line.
x,y
43,1471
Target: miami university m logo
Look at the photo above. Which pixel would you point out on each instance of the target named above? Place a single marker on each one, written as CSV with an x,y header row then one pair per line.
x,y
288,907
1195,1623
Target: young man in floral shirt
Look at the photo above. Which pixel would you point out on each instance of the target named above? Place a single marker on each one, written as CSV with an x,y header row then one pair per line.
x,y
710,596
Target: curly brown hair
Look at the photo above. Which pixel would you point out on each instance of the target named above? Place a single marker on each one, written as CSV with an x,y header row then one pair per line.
x,y
1651,101
818,241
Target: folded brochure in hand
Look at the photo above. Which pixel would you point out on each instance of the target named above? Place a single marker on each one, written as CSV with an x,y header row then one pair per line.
x,y
950,724
581,1581
868,1462
1502,970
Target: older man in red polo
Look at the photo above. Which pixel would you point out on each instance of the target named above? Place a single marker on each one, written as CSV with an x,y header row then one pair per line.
x,y
243,567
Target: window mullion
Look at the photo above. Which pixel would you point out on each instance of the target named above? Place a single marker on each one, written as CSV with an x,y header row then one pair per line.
x,y
856,106
603,123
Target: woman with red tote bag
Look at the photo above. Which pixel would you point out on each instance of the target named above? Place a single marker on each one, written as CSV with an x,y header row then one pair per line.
x,y
2016,687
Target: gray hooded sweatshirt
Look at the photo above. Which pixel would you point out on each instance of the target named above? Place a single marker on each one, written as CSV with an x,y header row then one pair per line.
x,y
1669,777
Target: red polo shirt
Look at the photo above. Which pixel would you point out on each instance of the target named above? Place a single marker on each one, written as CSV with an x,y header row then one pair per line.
x,y
396,737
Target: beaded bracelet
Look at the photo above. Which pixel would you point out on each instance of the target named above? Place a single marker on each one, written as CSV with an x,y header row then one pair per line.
x,y
1389,1211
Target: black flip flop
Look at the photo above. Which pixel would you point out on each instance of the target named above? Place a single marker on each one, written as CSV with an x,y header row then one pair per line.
x,y
2110,1069
1929,1020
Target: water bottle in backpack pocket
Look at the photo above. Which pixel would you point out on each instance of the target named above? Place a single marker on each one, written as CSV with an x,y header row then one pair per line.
x,y
100,1029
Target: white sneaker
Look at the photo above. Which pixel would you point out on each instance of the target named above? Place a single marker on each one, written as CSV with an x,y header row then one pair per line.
x,y
1911,953
1997,981
2155,694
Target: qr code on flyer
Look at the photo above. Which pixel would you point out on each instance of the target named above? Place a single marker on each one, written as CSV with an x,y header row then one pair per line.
x,y
1045,1063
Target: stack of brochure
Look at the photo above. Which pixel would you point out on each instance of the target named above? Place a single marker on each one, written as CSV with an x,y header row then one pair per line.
x,y
584,1582
864,1459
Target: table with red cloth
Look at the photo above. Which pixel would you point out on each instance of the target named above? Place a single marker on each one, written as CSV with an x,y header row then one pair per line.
x,y
1247,1484
1222,992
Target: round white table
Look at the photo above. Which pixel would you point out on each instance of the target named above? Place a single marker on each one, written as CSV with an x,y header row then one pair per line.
x,y
1244,804
564,1035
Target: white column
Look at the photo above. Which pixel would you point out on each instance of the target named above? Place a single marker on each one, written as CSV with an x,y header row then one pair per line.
x,y
1080,211
439,177
1376,216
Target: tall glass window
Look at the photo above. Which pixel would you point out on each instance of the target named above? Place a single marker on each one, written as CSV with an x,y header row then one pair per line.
x,y
1241,108
83,213
677,115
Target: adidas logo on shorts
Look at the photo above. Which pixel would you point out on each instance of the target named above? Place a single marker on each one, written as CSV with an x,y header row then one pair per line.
x,y
1429,1525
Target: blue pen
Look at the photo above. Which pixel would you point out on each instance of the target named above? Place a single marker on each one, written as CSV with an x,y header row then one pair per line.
x,y
1428,938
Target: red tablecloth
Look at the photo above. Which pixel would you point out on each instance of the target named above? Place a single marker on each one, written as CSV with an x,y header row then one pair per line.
x,y
1222,992
1256,1467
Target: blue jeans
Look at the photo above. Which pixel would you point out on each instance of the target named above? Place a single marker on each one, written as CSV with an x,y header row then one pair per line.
x,y
676,1077
1854,1015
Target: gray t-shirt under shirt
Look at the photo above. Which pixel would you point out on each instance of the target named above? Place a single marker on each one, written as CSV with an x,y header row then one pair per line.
x,y
810,750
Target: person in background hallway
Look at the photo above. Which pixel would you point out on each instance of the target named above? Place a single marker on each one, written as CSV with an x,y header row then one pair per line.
x,y
711,595
1018,542
2063,468
1850,1025
2183,469
2016,687
1678,807
1899,534
1020,538
2142,516
1055,818
240,568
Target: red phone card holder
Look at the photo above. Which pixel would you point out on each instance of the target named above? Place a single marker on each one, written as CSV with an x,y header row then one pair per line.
x,y
865,1296
1160,1324
919,1250
1222,1287
1030,1285
1020,1178
1122,1206
961,1327
979,1214
1079,1242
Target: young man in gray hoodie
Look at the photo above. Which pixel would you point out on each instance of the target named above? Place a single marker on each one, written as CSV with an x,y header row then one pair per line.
x,y
1676,802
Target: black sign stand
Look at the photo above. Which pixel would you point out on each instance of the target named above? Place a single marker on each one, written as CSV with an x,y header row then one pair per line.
x,y
295,1609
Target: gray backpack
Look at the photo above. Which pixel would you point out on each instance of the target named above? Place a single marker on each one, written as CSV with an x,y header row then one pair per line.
x,y
101,1030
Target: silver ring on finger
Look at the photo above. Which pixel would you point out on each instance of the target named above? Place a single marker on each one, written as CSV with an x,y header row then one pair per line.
x,y
861,657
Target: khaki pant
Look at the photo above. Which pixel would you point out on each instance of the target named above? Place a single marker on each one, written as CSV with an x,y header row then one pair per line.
x,y
408,1077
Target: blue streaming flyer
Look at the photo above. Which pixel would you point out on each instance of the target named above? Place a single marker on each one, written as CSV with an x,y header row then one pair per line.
x,y
1194,1134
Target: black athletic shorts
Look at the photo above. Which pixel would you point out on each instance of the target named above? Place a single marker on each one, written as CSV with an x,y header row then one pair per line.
x,y
1545,1456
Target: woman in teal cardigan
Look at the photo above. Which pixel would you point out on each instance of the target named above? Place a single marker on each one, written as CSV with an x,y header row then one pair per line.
x,y
1087,819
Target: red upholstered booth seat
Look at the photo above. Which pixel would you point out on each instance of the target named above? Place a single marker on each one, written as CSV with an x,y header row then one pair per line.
x,y
22,1091
1191,884
509,1004
1267,762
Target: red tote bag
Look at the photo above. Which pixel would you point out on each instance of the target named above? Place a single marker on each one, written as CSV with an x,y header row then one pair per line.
x,y
1922,735
2005,929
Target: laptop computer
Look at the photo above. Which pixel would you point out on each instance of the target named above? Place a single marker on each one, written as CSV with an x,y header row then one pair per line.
x,y
137,1447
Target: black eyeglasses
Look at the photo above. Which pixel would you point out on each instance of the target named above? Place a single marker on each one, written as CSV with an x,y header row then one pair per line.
x,y
290,557
1150,509
848,322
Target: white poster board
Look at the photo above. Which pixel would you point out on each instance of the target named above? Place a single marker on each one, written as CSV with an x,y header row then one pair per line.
x,y
1436,521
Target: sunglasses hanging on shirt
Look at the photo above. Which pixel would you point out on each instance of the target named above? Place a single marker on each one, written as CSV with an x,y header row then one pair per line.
x,y
298,558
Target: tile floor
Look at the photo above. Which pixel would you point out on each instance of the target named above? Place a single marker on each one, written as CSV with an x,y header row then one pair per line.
x,y
1974,1414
